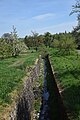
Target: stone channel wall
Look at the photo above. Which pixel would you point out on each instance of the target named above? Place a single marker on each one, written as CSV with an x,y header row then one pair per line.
x,y
23,109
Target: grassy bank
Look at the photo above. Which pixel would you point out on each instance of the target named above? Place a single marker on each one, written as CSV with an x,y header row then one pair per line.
x,y
12,70
67,70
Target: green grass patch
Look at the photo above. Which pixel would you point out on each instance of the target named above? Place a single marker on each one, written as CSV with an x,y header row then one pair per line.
x,y
67,70
12,70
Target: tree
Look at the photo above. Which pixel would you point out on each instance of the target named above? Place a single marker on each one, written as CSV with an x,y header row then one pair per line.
x,y
7,37
76,8
5,48
33,41
9,44
40,40
28,40
14,42
76,31
65,44
47,39
2,48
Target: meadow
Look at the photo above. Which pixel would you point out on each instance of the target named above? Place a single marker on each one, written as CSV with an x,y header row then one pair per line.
x,y
12,72
67,72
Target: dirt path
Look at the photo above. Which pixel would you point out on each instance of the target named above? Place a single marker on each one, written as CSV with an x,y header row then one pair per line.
x,y
17,63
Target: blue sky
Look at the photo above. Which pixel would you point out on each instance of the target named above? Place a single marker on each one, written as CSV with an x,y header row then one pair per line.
x,y
36,15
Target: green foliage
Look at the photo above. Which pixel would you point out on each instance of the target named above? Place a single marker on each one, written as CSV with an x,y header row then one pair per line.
x,y
14,43
76,30
62,41
5,48
76,34
28,41
47,39
34,41
9,44
43,51
65,44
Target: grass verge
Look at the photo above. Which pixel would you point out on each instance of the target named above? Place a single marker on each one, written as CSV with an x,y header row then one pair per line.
x,y
12,70
67,69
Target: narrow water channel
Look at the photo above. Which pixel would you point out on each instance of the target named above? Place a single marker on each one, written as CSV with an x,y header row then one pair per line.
x,y
45,96
52,107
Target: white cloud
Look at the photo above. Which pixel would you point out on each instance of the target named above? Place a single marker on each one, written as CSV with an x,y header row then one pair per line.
x,y
44,16
68,26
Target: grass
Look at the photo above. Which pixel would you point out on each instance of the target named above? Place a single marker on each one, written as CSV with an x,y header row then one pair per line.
x,y
12,70
67,69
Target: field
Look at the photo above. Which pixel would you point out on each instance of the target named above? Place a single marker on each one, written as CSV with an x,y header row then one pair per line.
x,y
12,71
67,71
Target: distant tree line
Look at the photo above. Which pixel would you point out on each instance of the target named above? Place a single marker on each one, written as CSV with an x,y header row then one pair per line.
x,y
62,41
11,45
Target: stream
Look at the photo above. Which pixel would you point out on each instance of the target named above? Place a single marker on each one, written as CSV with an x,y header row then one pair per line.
x,y
44,107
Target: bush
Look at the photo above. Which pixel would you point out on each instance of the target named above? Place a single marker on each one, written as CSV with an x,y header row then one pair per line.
x,y
66,44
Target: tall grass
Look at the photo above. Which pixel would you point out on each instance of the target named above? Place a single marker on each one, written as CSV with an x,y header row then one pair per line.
x,y
12,70
67,69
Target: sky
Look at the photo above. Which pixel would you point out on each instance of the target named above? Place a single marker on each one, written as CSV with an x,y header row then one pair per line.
x,y
40,16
